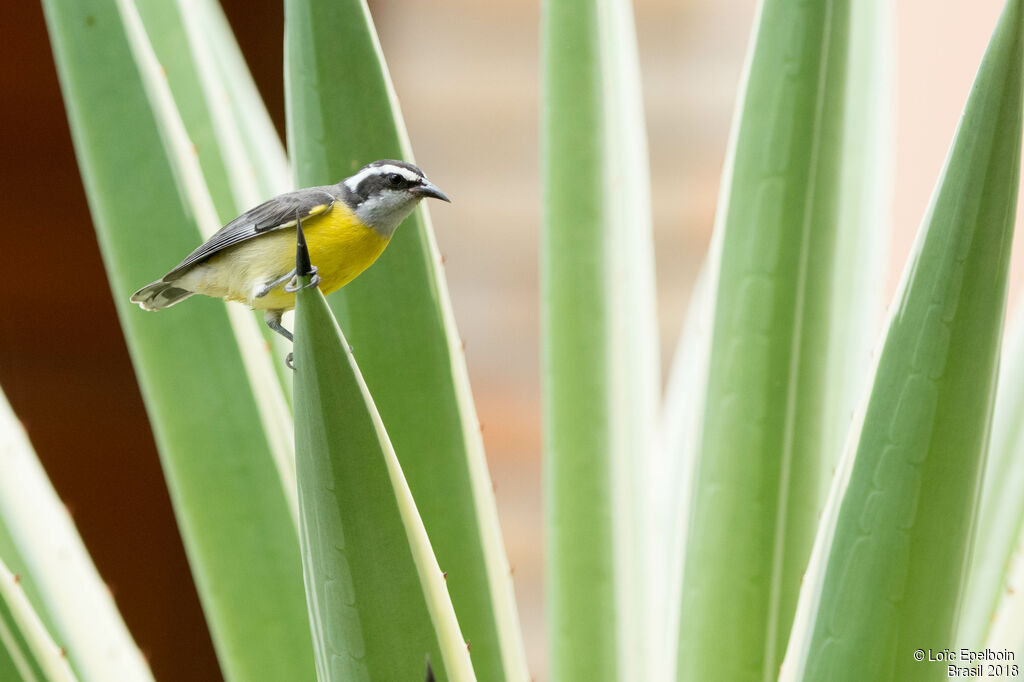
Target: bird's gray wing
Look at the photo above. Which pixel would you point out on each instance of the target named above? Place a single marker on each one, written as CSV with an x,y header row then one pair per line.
x,y
275,214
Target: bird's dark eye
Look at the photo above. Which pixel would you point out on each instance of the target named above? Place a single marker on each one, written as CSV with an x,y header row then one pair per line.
x,y
395,180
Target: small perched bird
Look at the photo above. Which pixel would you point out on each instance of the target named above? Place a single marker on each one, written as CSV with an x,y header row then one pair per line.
x,y
252,258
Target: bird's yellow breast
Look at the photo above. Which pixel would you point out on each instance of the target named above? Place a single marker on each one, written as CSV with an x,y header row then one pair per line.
x,y
340,246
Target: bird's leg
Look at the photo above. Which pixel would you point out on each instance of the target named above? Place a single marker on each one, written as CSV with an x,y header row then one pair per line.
x,y
302,268
293,282
273,320
266,288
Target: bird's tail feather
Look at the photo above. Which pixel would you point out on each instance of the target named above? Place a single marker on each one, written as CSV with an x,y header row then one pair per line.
x,y
160,295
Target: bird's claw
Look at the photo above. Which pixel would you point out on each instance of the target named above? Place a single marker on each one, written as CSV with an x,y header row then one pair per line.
x,y
293,284
289,361
269,286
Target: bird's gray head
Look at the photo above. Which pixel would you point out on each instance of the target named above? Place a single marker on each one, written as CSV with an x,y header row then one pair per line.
x,y
385,192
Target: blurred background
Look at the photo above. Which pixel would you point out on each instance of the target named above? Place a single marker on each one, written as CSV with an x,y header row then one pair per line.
x,y
467,76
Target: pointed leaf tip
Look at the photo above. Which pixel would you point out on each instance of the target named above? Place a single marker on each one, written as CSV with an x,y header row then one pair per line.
x,y
303,267
904,503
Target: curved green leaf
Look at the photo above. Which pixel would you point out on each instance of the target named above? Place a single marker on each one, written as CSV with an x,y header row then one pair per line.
x,y
13,664
890,562
228,498
214,184
59,577
671,493
265,157
763,442
600,359
398,317
1001,514
240,155
1006,631
23,635
864,223
632,368
580,570
165,29
372,583
17,661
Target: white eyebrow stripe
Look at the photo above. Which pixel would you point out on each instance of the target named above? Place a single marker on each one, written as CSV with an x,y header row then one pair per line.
x,y
353,182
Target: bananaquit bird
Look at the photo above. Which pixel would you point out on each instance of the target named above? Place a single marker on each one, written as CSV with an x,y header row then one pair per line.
x,y
252,258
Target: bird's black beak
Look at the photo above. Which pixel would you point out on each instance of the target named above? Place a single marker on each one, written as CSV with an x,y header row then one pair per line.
x,y
429,189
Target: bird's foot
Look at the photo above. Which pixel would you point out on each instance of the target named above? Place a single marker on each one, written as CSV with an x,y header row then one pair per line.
x,y
293,284
289,361
269,286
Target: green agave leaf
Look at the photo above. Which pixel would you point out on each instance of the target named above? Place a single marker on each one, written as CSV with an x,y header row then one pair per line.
x,y
633,369
166,31
9,552
39,542
17,661
29,646
184,44
580,570
218,187
1006,632
600,355
372,583
241,157
864,223
265,156
671,492
1001,515
890,558
761,457
398,317
234,517
13,664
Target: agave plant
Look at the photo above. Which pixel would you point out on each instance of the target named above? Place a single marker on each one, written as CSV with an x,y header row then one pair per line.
x,y
340,522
